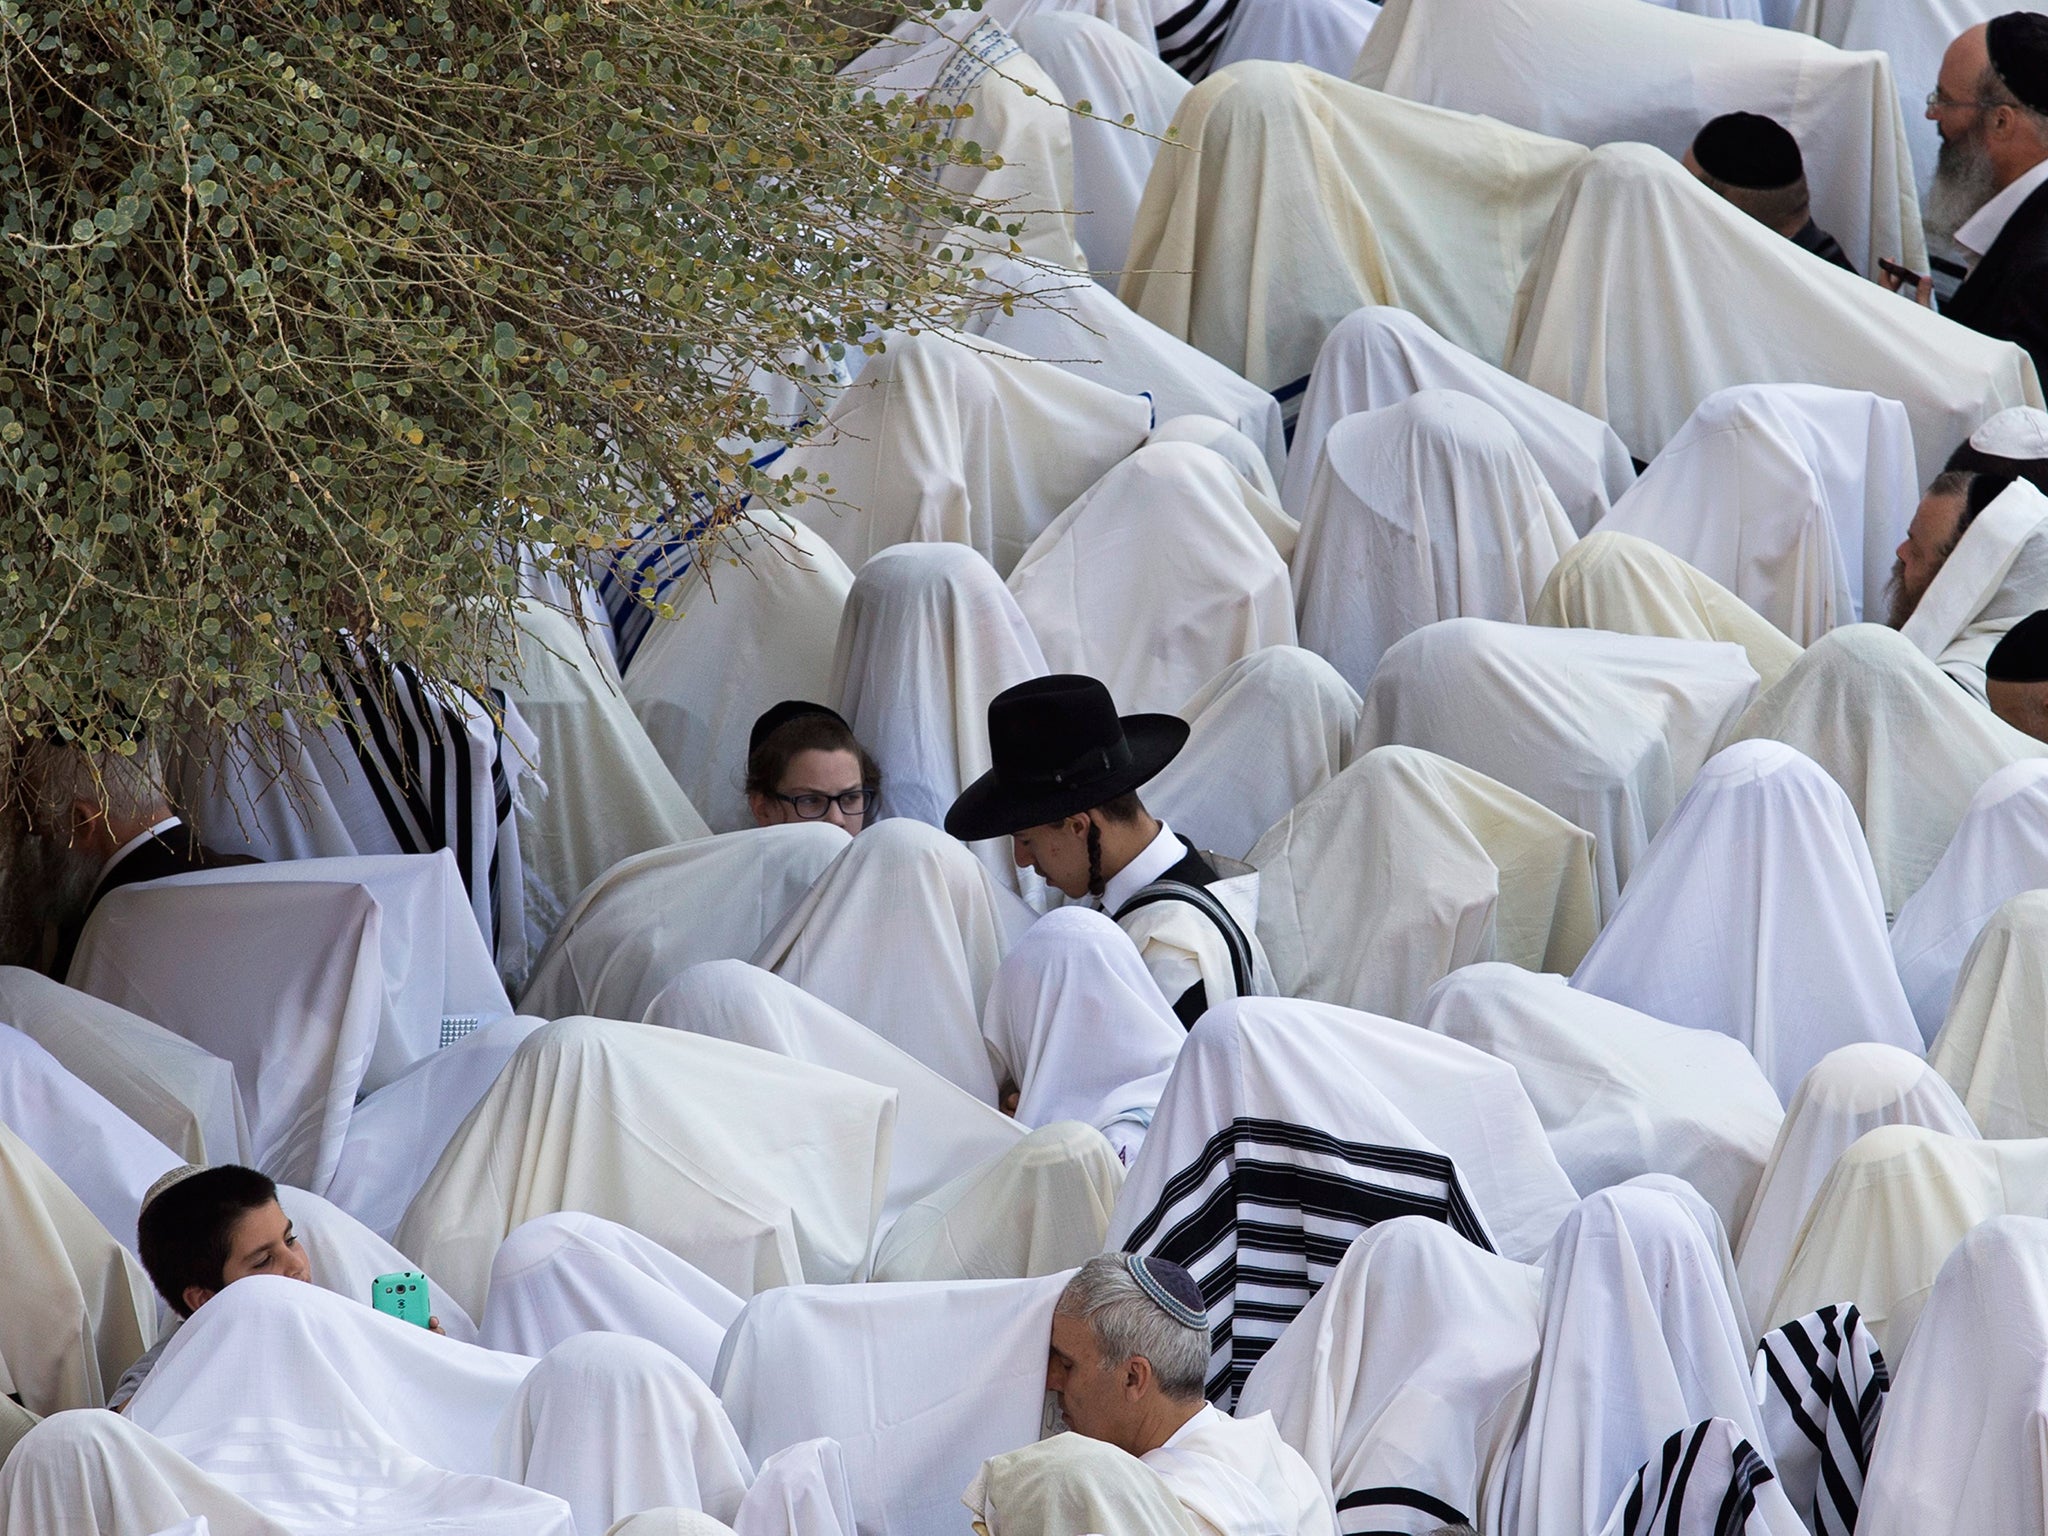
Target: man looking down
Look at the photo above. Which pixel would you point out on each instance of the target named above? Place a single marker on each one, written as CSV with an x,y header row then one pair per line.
x,y
1754,162
2016,676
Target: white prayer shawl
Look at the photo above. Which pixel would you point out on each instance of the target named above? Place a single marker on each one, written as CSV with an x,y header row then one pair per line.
x,y
568,1273
1379,355
1423,510
1606,730
684,1139
1908,745
1640,1339
1633,587
1792,496
1706,1480
1303,197
1959,1451
1156,580
1239,1478
86,1473
1999,850
1267,732
653,917
904,932
1994,577
1076,1023
102,1156
1070,1483
181,1094
1756,912
1606,71
754,627
672,1522
940,1128
801,1490
80,1308
1244,456
1039,1208
1626,312
1402,1381
946,438
1620,1094
919,1383
1992,1045
609,795
1406,867
345,1256
1325,34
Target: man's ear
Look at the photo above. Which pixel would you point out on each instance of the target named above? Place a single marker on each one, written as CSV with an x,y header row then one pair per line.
x,y
1137,1375
196,1296
84,813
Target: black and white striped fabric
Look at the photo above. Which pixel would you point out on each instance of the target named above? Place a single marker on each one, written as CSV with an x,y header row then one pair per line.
x,y
1827,1384
641,577
1705,1481
1189,38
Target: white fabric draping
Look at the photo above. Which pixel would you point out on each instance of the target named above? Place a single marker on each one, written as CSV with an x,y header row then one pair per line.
x,y
1620,1094
1849,1091
1266,733
757,1169
1706,1480
1242,455
1606,730
920,1383
1068,1484
1619,582
947,438
1792,496
1640,1340
1994,577
940,1128
1380,355
86,1473
1078,1026
653,917
345,1256
1423,510
1402,1381
801,1490
180,1093
1905,743
1959,1449
1407,866
1303,197
904,932
1606,71
1235,1475
749,629
929,636
1214,589
1625,313
1764,871
1993,1045
2000,849
1324,34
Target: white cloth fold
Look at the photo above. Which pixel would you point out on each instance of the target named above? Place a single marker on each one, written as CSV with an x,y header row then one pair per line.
x,y
87,1473
344,1257
1995,576
1993,1045
1237,1477
801,1490
1324,34
1068,1484
1705,1481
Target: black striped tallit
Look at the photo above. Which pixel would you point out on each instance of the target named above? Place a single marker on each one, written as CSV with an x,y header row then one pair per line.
x,y
641,577
1827,1385
1702,1482
1394,1512
1189,38
1263,1214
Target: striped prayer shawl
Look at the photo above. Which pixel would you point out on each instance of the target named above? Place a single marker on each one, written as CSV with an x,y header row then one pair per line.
x,y
1702,1483
1189,38
1264,1213
1828,1382
641,577
1394,1512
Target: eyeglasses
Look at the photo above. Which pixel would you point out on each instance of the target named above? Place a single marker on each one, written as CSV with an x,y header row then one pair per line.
x,y
1936,102
812,807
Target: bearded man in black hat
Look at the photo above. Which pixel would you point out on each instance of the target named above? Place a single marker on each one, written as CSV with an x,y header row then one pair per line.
x,y
1064,791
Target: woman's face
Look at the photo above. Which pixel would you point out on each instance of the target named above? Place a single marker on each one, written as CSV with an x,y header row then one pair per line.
x,y
813,776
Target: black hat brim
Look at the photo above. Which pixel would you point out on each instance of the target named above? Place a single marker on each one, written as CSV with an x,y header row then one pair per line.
x,y
988,808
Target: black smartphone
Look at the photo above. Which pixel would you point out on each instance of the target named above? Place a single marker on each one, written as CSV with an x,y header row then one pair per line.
x,y
1908,278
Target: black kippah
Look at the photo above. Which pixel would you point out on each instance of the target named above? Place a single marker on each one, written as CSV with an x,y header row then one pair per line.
x,y
1746,149
776,716
2022,656
2018,45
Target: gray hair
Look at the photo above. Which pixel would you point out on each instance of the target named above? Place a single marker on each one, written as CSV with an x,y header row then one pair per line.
x,y
57,773
1127,1322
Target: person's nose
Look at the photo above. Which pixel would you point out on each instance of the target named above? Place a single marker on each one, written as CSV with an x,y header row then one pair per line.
x,y
836,816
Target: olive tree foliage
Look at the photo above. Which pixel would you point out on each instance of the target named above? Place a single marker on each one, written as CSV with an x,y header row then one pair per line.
x,y
316,311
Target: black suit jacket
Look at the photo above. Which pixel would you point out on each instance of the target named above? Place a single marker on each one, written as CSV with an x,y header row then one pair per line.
x,y
173,851
2006,295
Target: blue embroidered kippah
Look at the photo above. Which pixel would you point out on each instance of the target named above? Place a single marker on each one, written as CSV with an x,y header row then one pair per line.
x,y
1173,1288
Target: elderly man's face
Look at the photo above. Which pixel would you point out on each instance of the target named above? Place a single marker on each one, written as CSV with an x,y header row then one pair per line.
x,y
1964,176
1103,1404
1929,538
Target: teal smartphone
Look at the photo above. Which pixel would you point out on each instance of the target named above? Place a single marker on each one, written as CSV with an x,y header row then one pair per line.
x,y
403,1295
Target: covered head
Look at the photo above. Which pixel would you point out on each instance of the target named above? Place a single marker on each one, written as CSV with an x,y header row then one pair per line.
x,y
2016,676
1753,161
2014,442
1130,1350
203,1228
805,764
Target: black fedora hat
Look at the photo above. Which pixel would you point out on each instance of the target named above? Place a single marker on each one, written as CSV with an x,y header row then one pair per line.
x,y
1059,748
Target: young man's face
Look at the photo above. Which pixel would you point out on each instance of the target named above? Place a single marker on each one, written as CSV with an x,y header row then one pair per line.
x,y
1058,850
261,1242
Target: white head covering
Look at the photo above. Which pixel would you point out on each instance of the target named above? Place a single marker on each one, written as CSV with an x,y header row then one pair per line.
x,y
940,1128
1402,1381
1422,510
1078,1024
1640,1339
1850,1091
1995,576
1992,1045
801,1490
1606,730
1326,34
1157,579
1619,1093
904,933
1069,1484
1267,732
1242,455
1793,496
682,1138
1764,869
743,636
1619,582
75,1469
1628,310
670,1522
2018,432
1905,743
2000,849
1407,866
1378,356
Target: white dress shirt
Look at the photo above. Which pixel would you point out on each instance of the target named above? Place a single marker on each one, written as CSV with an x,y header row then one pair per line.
x,y
1159,855
1983,227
